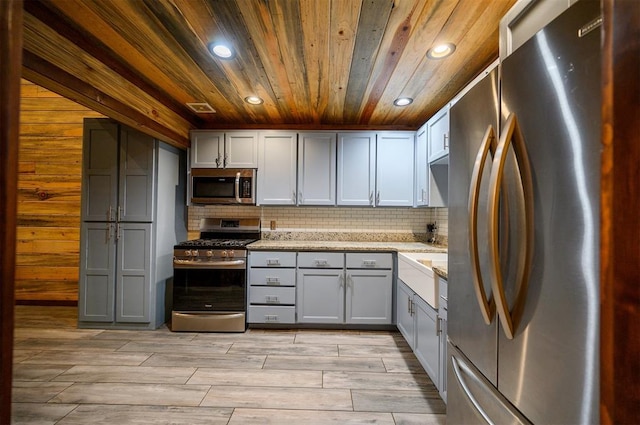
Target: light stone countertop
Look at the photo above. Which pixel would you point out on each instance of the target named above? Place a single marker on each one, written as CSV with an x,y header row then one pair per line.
x,y
441,271
302,245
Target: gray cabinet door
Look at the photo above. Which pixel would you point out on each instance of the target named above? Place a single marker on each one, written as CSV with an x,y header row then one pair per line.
x,y
404,313
369,295
97,272
100,169
137,165
394,169
320,296
356,173
317,169
427,348
133,276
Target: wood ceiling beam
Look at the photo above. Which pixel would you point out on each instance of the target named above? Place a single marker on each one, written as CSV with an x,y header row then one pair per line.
x,y
47,75
56,20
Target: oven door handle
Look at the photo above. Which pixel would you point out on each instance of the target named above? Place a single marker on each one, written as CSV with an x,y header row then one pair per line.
x,y
238,188
236,264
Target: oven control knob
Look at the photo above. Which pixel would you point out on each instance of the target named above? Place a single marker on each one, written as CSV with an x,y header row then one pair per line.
x,y
232,254
187,253
224,254
210,253
195,253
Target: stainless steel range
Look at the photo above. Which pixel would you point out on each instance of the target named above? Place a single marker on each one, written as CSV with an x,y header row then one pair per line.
x,y
210,276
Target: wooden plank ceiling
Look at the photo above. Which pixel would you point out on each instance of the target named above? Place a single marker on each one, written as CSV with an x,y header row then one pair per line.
x,y
317,64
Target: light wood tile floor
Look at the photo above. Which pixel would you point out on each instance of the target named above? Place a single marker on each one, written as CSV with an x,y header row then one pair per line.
x,y
64,375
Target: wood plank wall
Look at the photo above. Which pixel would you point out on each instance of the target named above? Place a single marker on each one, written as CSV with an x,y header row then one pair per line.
x,y
49,187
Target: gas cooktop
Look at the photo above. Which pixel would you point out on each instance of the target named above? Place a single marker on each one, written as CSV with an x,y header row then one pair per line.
x,y
215,243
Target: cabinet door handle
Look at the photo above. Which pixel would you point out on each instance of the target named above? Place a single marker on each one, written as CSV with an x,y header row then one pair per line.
x,y
117,231
424,195
378,198
218,161
110,213
446,140
341,280
226,159
371,198
295,197
409,306
119,213
438,325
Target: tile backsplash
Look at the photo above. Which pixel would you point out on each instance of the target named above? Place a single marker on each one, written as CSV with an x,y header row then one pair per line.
x,y
339,220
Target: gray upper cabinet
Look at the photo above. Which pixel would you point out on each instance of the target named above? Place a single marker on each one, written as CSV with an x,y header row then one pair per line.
x,y
137,165
277,168
438,135
394,169
422,168
356,174
224,149
118,173
100,169
317,168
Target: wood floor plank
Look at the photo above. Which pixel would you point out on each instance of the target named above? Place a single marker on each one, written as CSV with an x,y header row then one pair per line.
x,y
242,416
124,414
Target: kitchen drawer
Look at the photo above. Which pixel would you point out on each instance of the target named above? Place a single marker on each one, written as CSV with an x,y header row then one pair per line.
x,y
363,260
272,277
272,314
321,260
272,259
272,295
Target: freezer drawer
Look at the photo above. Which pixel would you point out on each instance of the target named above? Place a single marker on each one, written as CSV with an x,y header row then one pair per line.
x,y
476,401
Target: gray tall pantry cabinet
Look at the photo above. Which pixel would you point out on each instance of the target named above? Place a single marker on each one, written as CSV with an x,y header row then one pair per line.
x,y
133,213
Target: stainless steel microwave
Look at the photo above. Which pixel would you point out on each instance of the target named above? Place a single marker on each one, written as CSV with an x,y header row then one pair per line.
x,y
223,186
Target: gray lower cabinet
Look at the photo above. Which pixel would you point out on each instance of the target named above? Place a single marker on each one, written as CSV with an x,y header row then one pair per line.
x,y
351,288
133,193
404,313
418,323
442,313
116,278
271,287
427,342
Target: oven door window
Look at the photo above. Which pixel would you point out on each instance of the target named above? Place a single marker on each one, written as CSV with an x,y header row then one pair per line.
x,y
217,290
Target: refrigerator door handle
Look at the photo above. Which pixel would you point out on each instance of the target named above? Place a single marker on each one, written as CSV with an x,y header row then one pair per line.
x,y
487,306
510,133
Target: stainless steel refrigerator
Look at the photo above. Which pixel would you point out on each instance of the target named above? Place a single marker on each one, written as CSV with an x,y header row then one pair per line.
x,y
524,185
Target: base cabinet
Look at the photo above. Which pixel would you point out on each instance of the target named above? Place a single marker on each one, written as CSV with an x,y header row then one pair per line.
x,y
404,313
418,322
427,342
368,296
271,287
320,296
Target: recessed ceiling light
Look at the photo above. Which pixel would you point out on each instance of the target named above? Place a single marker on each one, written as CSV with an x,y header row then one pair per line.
x,y
441,51
254,100
403,101
201,108
222,50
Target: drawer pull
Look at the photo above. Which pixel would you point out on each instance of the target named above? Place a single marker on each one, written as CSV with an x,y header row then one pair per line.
x,y
273,262
271,318
321,263
369,263
275,281
271,299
